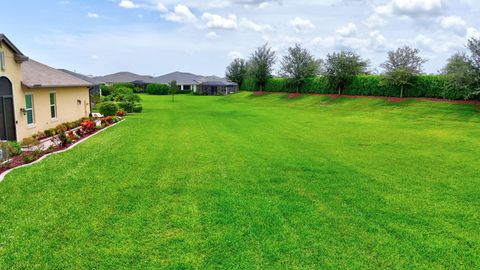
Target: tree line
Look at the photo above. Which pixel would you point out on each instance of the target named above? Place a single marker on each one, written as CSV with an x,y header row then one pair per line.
x,y
402,66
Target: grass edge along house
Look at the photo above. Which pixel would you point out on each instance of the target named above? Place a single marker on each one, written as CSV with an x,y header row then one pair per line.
x,y
35,97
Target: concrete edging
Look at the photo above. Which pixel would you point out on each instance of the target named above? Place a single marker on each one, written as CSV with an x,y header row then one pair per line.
x,y
5,173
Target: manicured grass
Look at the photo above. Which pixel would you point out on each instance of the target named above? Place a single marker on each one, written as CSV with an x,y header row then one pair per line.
x,y
256,182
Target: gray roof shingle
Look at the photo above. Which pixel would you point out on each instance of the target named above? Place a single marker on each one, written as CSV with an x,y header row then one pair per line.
x,y
38,75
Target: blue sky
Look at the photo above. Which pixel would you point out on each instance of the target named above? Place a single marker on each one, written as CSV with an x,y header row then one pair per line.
x,y
154,37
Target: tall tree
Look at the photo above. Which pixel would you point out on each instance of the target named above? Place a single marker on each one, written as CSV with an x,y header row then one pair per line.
x,y
298,65
461,76
342,67
402,66
237,71
173,89
261,65
474,47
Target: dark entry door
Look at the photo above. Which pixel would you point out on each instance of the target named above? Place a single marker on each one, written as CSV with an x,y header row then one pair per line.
x,y
7,118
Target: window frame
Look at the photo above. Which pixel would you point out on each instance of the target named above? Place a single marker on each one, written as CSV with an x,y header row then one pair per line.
x,y
2,60
32,109
54,105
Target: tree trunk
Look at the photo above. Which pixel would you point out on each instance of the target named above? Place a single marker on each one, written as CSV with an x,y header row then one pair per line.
x,y
298,91
401,91
339,91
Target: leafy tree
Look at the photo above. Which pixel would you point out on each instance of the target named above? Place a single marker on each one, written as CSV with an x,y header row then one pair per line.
x,y
342,67
463,72
173,89
261,65
460,76
237,71
298,65
474,47
402,66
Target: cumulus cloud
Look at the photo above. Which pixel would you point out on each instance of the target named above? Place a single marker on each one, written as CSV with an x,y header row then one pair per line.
x,y
212,35
453,23
234,55
128,4
250,25
218,22
302,25
411,8
181,14
93,15
347,31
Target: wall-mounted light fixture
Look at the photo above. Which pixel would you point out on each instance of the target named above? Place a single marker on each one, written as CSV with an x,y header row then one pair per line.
x,y
23,111
79,102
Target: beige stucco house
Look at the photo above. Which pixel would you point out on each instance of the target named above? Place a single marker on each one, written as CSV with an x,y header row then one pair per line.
x,y
35,97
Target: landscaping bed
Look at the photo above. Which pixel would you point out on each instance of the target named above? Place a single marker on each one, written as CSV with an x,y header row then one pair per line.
x,y
37,146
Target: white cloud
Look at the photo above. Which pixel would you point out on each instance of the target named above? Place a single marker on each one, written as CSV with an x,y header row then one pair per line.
x,y
374,21
161,7
128,4
218,22
473,32
411,8
302,25
250,25
212,35
181,14
235,54
453,23
347,31
93,15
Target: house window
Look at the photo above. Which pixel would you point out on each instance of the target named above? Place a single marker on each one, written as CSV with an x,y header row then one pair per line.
x,y
187,87
2,60
53,105
29,109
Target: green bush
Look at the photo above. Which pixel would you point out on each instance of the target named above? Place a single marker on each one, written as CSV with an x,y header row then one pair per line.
x,y
126,106
137,108
248,85
432,86
158,89
108,108
12,149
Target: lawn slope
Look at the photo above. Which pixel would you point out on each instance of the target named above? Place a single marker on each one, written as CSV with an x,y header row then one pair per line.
x,y
255,182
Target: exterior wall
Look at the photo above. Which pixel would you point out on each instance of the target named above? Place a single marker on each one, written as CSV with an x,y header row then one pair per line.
x,y
13,72
68,108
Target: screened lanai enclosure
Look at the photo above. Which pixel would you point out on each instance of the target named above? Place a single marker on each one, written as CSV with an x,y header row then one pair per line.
x,y
213,88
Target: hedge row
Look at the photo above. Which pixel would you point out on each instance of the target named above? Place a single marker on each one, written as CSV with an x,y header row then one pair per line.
x,y
434,86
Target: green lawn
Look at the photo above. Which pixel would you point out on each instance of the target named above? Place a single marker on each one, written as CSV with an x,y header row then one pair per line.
x,y
256,182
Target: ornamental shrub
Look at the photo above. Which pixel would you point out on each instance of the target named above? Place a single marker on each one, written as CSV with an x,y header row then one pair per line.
x,y
126,106
108,108
137,108
158,89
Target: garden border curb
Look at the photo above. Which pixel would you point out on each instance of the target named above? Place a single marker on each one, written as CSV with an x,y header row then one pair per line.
x,y
5,173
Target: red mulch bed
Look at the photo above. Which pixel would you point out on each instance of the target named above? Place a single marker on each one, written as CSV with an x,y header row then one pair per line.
x,y
18,160
294,95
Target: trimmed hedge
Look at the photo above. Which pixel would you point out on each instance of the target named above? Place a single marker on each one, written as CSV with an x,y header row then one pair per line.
x,y
158,89
108,108
431,86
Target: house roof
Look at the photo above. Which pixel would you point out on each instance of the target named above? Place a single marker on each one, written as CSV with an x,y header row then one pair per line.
x,y
218,83
89,79
122,77
179,77
38,75
19,56
185,78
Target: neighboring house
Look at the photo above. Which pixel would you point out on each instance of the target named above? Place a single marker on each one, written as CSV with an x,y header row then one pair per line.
x,y
122,77
35,97
213,88
185,81
206,85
